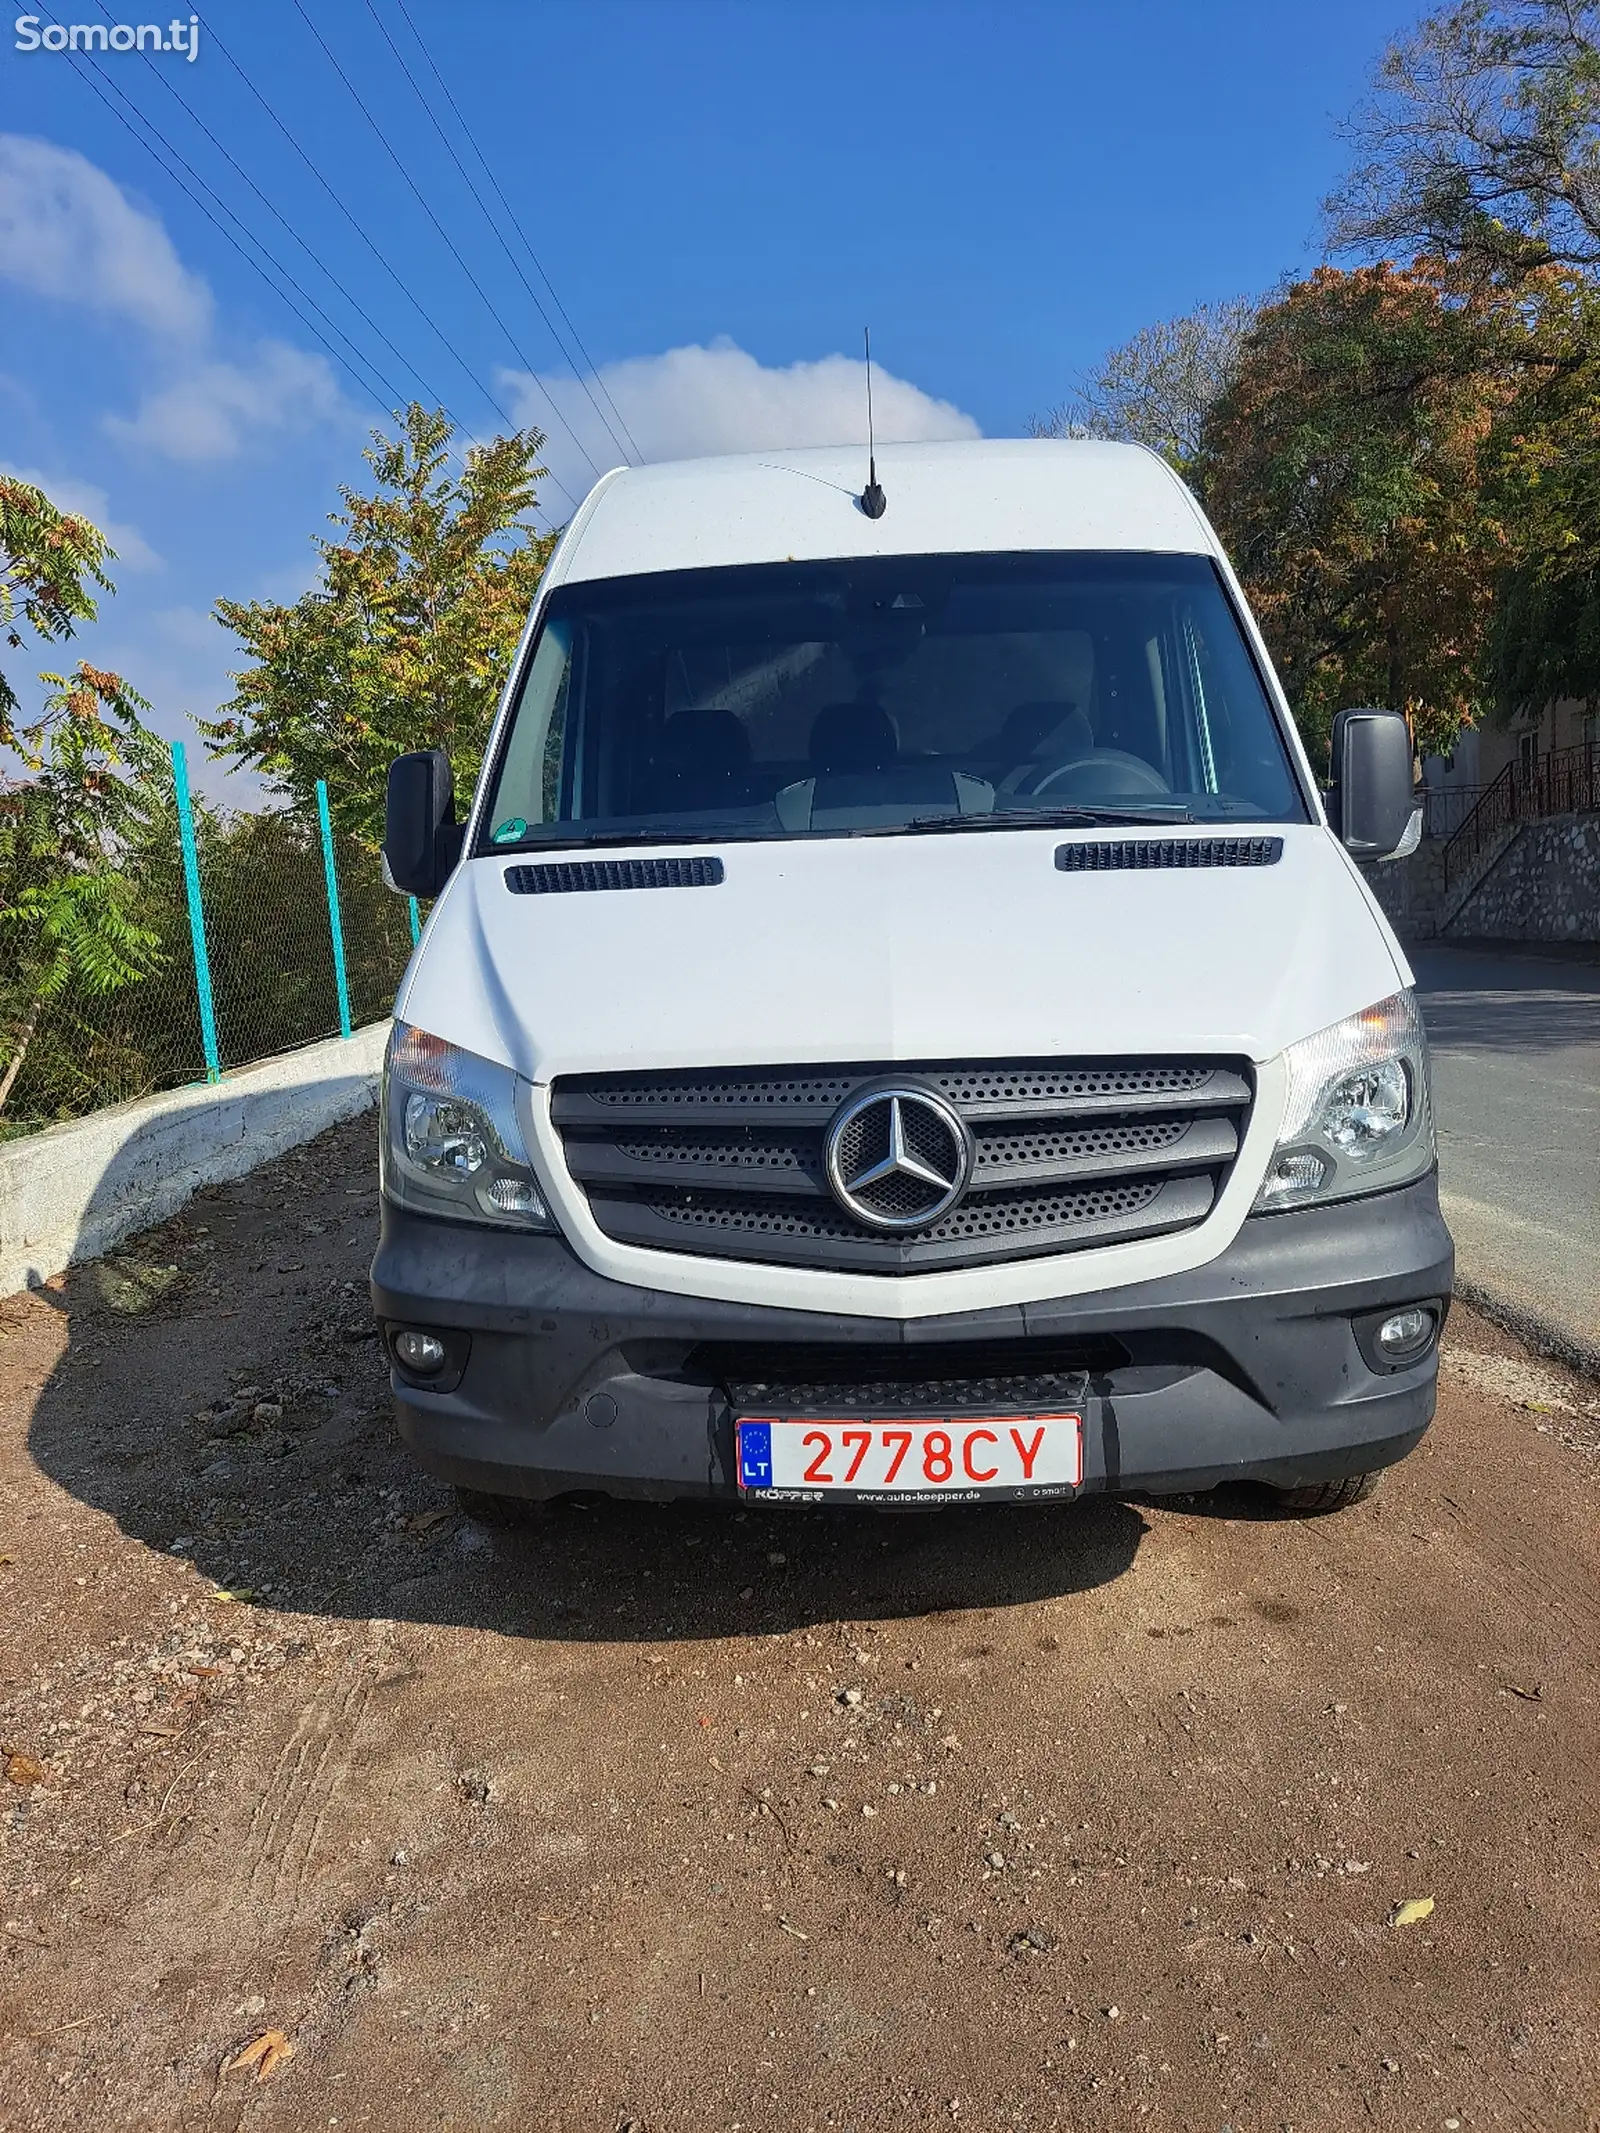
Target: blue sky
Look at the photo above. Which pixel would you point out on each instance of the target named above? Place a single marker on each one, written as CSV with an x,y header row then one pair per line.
x,y
720,191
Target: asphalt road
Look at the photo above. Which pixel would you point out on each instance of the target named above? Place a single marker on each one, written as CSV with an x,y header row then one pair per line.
x,y
1516,1059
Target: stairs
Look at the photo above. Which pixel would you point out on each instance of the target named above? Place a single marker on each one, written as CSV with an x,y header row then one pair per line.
x,y
1468,879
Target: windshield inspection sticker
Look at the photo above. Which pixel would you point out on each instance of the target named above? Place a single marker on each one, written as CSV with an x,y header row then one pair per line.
x,y
509,832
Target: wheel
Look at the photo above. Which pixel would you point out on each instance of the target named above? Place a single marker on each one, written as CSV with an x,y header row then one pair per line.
x,y
1314,1497
491,1510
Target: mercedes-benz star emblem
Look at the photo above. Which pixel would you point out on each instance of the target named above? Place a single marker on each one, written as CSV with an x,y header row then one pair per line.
x,y
898,1156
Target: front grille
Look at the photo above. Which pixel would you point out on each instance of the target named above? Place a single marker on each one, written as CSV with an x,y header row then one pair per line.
x,y
729,1163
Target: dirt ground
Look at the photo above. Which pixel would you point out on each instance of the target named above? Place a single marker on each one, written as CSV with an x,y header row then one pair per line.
x,y
676,1819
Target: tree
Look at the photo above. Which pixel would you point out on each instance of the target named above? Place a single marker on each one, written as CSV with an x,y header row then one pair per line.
x,y
1480,141
1544,638
49,560
68,906
1159,387
407,640
1344,468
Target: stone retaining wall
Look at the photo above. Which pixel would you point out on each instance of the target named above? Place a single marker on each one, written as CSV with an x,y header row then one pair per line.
x,y
1545,887
1411,890
1543,884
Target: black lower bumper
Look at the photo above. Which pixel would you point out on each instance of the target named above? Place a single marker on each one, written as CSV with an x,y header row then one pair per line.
x,y
1259,1366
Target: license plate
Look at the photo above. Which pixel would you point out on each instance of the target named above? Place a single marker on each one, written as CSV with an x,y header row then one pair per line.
x,y
953,1459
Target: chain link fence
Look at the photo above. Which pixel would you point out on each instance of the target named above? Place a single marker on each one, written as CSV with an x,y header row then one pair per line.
x,y
284,963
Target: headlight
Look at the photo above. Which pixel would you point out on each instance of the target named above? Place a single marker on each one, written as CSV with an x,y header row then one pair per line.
x,y
1358,1118
450,1143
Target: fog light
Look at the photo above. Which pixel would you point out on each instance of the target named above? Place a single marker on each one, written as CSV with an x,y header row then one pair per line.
x,y
1407,1334
515,1196
423,1353
1291,1176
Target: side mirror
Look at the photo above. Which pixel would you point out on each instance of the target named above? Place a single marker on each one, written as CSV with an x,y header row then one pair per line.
x,y
1372,798
421,837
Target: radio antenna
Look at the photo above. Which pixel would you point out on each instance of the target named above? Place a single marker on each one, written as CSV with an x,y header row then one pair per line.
x,y
873,500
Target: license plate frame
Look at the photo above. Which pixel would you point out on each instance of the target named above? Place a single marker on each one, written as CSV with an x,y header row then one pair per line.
x,y
1026,1468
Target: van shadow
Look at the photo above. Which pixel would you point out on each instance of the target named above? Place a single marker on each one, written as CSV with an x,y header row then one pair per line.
x,y
222,1398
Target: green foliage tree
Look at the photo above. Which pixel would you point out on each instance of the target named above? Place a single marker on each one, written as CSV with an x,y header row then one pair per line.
x,y
1544,637
68,920
407,639
69,916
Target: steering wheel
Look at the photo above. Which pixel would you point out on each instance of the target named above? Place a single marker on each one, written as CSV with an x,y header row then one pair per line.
x,y
1120,773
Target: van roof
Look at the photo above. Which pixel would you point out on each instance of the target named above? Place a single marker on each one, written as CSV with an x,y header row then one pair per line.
x,y
787,506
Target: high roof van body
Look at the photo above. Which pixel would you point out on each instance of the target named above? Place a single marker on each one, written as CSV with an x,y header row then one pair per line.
x,y
900,1020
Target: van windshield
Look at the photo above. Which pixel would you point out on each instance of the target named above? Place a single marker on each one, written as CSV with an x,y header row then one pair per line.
x,y
818,699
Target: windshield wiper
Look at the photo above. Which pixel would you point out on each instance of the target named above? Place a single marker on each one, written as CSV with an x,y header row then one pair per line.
x,y
578,839
1048,818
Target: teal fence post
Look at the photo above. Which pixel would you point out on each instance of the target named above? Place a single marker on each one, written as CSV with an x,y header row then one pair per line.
x,y
197,917
416,921
334,927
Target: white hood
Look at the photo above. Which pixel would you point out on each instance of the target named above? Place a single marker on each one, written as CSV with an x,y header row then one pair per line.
x,y
939,947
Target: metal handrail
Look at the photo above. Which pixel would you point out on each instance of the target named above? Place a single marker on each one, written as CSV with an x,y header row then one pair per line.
x,y
1446,807
1564,782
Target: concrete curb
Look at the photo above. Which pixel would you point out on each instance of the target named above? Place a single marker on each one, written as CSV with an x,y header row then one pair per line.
x,y
1543,1335
74,1191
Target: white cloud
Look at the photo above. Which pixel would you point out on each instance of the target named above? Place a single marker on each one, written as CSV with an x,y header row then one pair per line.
x,y
68,231
83,498
692,401
218,408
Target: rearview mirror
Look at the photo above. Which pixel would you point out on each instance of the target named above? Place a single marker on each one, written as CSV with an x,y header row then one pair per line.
x,y
421,837
1372,784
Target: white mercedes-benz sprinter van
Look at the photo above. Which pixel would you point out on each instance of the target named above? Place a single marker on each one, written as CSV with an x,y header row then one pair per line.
x,y
899,1020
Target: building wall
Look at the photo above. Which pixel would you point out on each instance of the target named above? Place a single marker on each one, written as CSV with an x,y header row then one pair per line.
x,y
1483,751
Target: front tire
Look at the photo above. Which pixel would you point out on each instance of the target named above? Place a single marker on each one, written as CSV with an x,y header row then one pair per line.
x,y
1315,1498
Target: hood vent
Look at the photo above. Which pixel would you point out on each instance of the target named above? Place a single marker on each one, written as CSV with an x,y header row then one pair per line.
x,y
1121,854
579,876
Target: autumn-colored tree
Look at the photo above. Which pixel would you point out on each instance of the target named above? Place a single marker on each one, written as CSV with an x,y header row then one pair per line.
x,y
1480,144
51,561
1344,471
406,641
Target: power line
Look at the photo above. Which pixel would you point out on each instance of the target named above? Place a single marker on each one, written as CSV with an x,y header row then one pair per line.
x,y
592,367
421,200
483,205
393,272
274,211
191,194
